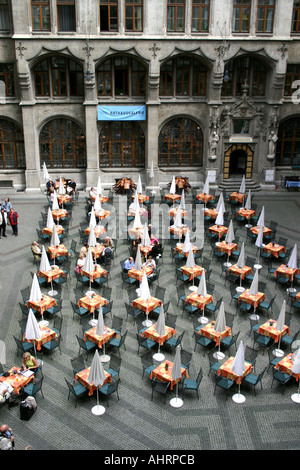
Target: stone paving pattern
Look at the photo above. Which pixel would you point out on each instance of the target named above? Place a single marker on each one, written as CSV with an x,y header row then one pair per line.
x,y
267,421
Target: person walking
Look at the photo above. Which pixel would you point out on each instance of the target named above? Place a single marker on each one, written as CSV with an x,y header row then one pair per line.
x,y
3,223
13,218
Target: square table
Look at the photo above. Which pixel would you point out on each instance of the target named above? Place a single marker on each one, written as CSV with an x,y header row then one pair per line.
x,y
83,375
179,246
136,233
63,198
179,231
98,230
209,332
102,199
102,214
205,197
219,230
48,231
284,271
139,273
54,273
100,340
141,197
173,197
286,365
146,305
247,213
238,197
226,247
212,213
152,334
269,329
193,272
164,373
197,300
98,272
43,304
146,250
274,249
59,214
92,302
266,230
16,381
47,335
240,272
56,251
251,299
173,212
226,371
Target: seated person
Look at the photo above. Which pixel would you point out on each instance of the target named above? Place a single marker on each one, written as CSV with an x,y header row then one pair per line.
x,y
92,192
29,362
107,253
36,250
109,242
128,264
153,239
150,263
84,249
80,263
71,186
7,392
156,249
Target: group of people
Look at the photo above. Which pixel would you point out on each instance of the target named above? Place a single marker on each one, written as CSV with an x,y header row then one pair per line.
x,y
107,253
70,186
8,216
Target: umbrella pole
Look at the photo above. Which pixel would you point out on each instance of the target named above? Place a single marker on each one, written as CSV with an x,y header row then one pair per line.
x,y
278,352
98,409
158,356
203,319
176,402
238,397
296,396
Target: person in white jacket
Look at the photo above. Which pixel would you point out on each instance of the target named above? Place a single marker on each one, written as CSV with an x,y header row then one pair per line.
x,y
3,223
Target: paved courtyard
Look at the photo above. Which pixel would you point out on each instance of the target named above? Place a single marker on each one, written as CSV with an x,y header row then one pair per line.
x,y
268,421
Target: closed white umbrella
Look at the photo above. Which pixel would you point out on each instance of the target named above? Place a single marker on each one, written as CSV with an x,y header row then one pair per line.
x,y
50,221
206,186
253,291
176,402
219,327
55,205
138,259
173,186
259,243
242,189
187,244
203,292
178,219
45,172
35,291
44,263
89,267
139,188
61,188
241,262
100,330
190,262
229,238
261,219
296,370
182,201
93,222
97,204
279,326
292,263
238,367
32,329
92,240
145,239
248,201
137,220
54,237
160,327
220,203
97,378
220,216
136,204
144,293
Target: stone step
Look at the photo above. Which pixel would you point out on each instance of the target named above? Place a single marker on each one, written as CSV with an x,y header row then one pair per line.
x,y
234,185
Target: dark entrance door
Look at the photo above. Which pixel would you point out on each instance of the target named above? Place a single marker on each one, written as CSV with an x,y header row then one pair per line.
x,y
238,162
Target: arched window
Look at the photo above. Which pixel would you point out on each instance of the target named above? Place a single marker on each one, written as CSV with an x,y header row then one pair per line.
x,y
183,76
58,76
121,76
12,152
180,143
288,143
245,70
122,144
62,144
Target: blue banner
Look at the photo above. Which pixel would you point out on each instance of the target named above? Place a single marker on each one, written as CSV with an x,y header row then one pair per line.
x,y
122,113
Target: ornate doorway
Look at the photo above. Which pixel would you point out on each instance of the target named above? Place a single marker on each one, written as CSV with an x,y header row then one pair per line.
x,y
238,160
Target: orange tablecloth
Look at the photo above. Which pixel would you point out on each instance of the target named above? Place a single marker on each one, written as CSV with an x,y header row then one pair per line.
x,y
179,246
98,230
91,303
141,197
136,233
197,300
251,299
139,273
247,213
48,231
146,305
235,196
226,247
209,332
99,340
297,296
98,272
274,249
240,272
173,212
16,381
226,371
283,270
271,331
193,272
255,230
173,197
152,334
59,214
179,231
220,230
286,365
102,214
63,198
165,375
103,199
47,335
145,249
42,305
205,197
56,251
54,273
83,375
212,213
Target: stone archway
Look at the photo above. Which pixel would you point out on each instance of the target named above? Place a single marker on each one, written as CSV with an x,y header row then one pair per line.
x,y
238,160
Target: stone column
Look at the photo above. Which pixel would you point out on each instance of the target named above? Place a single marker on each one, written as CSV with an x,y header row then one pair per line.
x,y
152,120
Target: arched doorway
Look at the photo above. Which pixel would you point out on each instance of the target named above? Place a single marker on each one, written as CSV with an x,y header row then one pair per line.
x,y
238,160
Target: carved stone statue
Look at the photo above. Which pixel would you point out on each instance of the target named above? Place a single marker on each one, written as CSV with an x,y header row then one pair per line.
x,y
272,145
213,143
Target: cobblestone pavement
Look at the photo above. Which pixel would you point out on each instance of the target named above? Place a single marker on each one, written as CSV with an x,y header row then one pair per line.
x,y
270,420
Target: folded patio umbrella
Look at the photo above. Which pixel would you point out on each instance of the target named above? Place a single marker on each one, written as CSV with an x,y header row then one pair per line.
x,y
138,259
88,262
296,370
220,323
136,205
100,328
261,219
160,324
61,188
241,259
92,240
220,216
178,219
292,262
254,284
50,221
187,244
260,237
97,205
93,221
182,201
139,188
238,367
44,263
137,220
55,205
145,239
230,233
281,317
202,285
35,291
32,329
242,189
97,378
54,237
173,186
144,291
176,375
45,172
248,201
220,203
190,262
